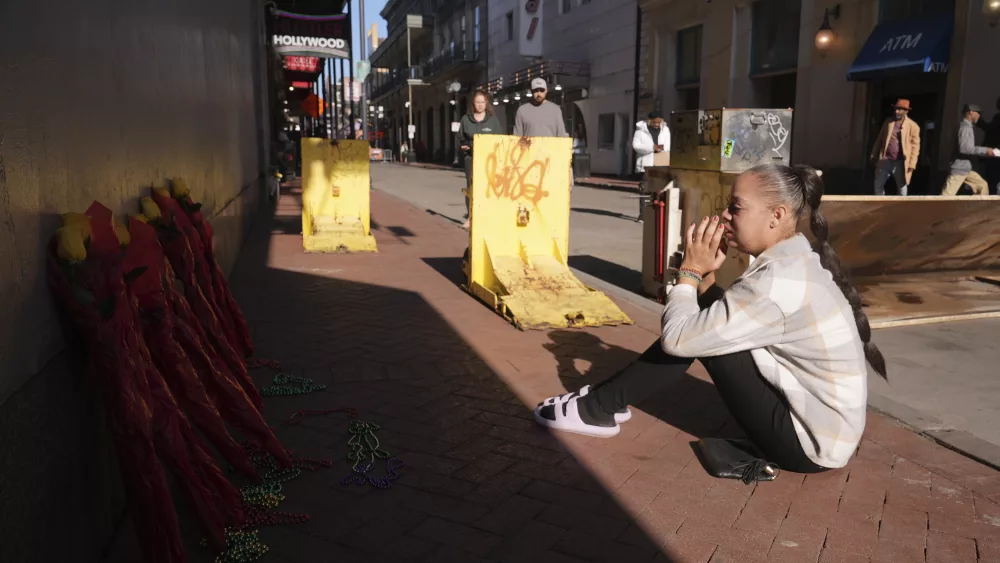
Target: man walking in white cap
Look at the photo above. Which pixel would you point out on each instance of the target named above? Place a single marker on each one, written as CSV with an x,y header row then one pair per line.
x,y
540,117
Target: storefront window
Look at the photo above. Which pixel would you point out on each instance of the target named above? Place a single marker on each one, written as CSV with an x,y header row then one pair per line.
x,y
890,10
775,36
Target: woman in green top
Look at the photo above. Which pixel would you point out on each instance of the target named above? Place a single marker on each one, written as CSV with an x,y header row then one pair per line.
x,y
479,120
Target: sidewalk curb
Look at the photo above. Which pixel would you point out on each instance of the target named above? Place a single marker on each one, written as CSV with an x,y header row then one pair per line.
x,y
919,423
425,166
933,429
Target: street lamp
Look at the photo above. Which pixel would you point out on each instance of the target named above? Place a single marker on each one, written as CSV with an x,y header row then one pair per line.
x,y
454,89
825,36
992,10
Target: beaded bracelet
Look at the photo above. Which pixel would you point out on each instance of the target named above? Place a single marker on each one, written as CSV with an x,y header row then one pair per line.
x,y
689,274
693,271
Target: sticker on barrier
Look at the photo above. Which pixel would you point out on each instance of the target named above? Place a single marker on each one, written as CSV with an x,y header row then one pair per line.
x,y
336,196
519,236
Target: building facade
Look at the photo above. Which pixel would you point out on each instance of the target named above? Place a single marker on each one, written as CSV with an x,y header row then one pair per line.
x,y
430,46
734,53
586,50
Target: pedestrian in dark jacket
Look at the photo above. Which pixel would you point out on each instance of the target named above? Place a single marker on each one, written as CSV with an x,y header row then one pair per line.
x,y
479,120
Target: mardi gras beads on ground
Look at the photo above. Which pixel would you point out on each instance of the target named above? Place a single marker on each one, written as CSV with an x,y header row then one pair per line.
x,y
267,495
360,475
258,500
242,546
284,384
365,451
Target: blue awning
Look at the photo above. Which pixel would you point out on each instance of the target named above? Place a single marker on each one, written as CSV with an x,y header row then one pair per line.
x,y
905,47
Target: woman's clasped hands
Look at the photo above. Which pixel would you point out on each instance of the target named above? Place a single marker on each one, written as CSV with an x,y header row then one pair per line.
x,y
706,248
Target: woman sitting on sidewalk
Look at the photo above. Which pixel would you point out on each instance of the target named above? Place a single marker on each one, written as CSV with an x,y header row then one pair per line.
x,y
785,345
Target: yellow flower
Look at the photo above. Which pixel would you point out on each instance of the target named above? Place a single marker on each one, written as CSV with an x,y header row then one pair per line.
x,y
121,232
70,245
180,188
149,208
78,221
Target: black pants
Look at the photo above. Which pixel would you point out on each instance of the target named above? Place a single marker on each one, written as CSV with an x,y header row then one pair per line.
x,y
760,409
468,180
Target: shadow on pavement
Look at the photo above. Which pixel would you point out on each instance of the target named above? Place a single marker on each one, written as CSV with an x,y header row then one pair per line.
x,y
482,482
286,226
620,276
449,268
615,274
691,404
604,213
570,345
688,403
445,217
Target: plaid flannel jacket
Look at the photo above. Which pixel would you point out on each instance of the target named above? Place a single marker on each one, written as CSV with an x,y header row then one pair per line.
x,y
800,329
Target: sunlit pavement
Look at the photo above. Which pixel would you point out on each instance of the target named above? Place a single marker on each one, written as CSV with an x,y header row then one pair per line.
x,y
451,385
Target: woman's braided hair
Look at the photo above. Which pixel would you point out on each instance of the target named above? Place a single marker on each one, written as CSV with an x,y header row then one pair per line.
x,y
802,188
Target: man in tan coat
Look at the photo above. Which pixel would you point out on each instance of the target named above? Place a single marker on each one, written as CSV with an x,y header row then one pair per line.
x,y
896,149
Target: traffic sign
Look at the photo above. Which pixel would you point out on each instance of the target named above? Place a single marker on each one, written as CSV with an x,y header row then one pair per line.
x,y
363,68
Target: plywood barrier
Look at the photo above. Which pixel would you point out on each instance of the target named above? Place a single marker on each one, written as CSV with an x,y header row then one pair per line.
x,y
519,236
915,259
919,259
336,196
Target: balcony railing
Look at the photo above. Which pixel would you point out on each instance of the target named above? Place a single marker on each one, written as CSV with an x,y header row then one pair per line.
x,y
395,79
549,68
455,53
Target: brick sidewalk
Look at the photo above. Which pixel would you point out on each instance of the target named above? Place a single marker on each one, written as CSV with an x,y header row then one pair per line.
x,y
450,385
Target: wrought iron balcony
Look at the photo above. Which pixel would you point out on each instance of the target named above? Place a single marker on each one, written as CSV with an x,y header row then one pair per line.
x,y
453,54
395,79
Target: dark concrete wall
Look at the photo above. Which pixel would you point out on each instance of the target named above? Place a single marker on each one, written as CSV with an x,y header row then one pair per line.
x,y
99,100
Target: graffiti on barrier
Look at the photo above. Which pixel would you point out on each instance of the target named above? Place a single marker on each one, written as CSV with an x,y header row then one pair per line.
x,y
508,176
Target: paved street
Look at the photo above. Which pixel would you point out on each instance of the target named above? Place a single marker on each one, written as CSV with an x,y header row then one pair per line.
x,y
943,377
450,386
944,380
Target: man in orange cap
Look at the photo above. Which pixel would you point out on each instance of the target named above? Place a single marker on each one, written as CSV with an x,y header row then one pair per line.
x,y
896,149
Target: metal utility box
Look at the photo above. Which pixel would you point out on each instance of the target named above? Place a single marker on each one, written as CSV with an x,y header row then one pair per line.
x,y
730,140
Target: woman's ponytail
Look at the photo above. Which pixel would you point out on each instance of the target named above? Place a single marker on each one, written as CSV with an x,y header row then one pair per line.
x,y
811,183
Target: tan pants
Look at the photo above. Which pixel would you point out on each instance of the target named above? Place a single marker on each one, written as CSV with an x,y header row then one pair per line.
x,y
975,181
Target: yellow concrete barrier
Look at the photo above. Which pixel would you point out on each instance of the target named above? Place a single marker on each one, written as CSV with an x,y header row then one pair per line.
x,y
519,236
336,196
